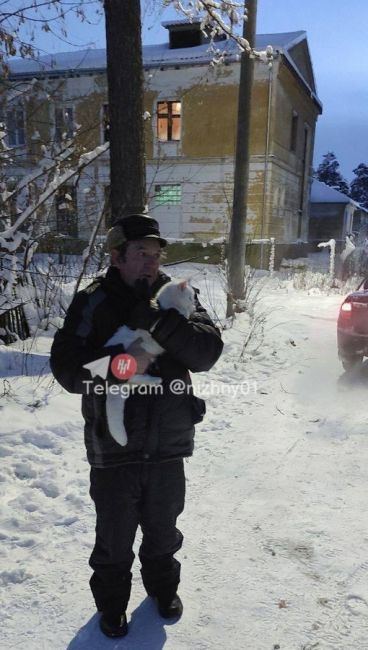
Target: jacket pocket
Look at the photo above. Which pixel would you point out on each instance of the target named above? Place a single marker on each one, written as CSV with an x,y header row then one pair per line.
x,y
198,408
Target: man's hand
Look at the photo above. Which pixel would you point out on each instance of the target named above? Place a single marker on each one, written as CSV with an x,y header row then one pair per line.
x,y
143,358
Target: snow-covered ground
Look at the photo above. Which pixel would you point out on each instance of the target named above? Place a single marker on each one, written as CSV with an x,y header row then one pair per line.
x,y
276,534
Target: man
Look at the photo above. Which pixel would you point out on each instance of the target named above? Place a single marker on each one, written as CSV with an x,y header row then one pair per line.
x,y
143,482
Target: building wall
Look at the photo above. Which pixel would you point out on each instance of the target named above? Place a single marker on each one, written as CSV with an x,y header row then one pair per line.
x,y
206,192
327,221
209,113
288,218
202,162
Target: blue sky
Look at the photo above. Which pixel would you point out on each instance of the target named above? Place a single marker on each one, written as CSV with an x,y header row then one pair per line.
x,y
338,41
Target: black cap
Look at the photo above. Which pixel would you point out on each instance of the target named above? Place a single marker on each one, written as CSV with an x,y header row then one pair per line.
x,y
132,227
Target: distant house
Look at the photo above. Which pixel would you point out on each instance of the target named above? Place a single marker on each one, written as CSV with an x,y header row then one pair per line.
x,y
190,138
333,215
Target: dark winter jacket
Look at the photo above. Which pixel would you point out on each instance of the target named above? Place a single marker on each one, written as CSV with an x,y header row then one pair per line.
x,y
159,426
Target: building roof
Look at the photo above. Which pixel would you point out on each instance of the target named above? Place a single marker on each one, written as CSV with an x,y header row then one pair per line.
x,y
196,20
160,56
153,55
322,193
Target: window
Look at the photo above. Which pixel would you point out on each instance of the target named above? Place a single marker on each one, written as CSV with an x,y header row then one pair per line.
x,y
294,131
167,194
8,203
107,207
64,123
304,178
14,119
66,211
168,121
105,123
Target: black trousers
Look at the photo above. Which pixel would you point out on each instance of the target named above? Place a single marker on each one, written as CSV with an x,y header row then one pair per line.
x,y
149,495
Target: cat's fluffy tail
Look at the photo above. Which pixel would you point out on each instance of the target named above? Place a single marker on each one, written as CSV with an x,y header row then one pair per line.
x,y
115,417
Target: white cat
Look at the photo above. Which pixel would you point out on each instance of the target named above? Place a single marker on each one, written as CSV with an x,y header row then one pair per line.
x,y
175,294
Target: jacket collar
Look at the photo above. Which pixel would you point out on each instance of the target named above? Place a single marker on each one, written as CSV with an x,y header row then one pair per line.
x,y
113,283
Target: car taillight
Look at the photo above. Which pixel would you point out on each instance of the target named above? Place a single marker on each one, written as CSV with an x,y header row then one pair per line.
x,y
346,307
345,312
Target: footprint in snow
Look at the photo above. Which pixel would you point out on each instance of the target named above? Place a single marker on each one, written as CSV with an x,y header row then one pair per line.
x,y
27,542
49,489
15,576
41,440
66,521
356,605
24,471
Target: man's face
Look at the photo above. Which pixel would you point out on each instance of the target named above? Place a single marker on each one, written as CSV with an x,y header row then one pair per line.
x,y
140,262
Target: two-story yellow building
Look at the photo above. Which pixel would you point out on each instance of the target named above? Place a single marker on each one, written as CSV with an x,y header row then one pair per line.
x,y
190,124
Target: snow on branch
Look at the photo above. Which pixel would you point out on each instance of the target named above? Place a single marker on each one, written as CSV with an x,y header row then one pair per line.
x,y
26,19
44,166
53,186
220,17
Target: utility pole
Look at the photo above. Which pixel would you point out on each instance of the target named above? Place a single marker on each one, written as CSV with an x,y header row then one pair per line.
x,y
237,237
125,94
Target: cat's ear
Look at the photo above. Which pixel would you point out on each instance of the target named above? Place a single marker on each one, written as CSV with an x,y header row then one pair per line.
x,y
183,284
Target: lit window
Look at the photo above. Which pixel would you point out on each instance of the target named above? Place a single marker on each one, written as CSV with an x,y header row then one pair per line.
x,y
64,123
294,131
168,121
106,123
15,126
167,194
66,211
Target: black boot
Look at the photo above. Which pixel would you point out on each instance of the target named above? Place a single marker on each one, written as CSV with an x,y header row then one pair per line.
x,y
172,608
114,625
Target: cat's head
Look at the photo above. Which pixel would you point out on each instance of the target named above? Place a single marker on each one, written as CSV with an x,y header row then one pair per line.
x,y
179,295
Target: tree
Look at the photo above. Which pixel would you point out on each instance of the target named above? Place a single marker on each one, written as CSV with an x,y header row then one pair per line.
x,y
24,210
241,172
223,18
19,22
24,207
359,185
125,91
26,200
125,84
328,172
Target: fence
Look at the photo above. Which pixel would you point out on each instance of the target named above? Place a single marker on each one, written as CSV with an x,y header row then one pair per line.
x,y
13,325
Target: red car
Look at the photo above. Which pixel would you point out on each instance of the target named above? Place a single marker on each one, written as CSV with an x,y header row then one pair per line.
x,y
352,327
